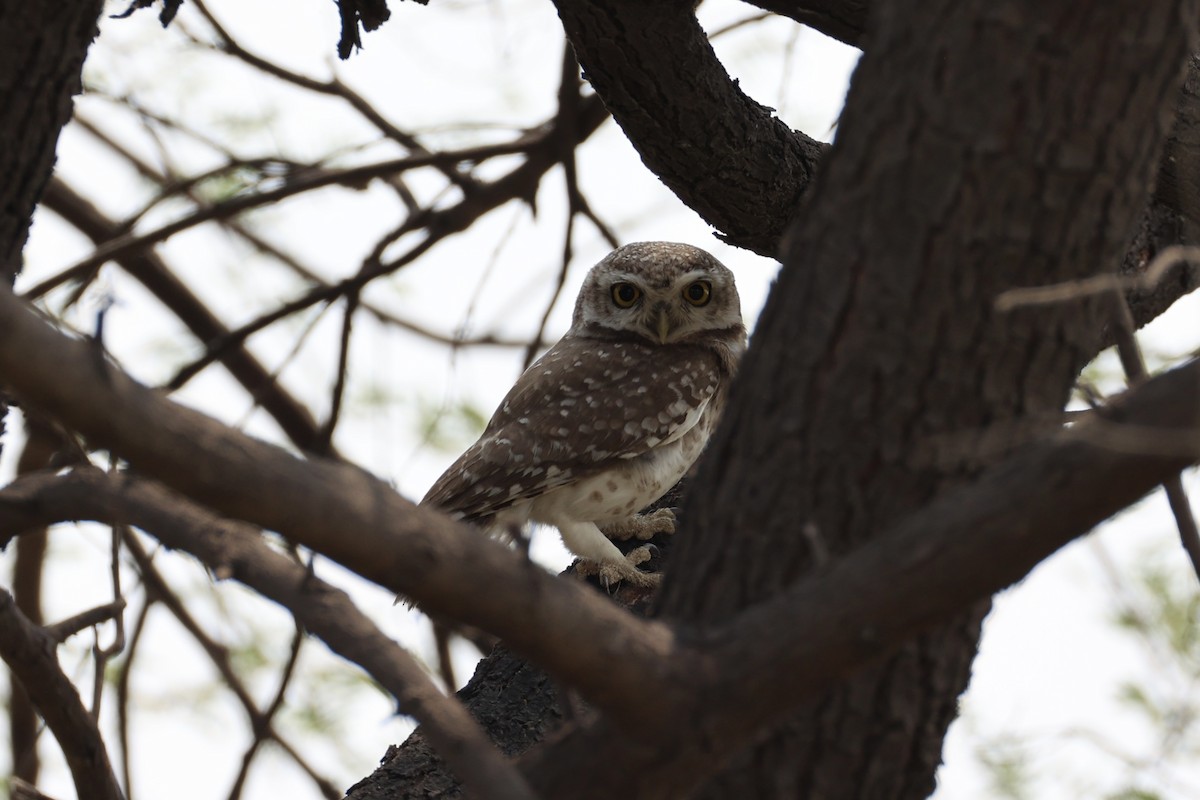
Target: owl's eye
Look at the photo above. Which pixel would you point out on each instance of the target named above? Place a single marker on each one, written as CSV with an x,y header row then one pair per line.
x,y
625,294
698,293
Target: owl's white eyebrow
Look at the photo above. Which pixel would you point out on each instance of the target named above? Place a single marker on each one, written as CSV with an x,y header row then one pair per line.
x,y
629,277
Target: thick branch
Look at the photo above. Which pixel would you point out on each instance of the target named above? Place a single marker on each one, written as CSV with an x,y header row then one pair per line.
x,y
962,547
844,20
235,550
969,543
720,152
744,171
345,514
1173,213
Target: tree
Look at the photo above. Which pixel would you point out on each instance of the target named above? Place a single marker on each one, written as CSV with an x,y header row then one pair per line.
x,y
894,451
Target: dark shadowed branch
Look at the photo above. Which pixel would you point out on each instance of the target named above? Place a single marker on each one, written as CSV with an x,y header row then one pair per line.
x,y
844,20
234,550
343,176
29,652
712,129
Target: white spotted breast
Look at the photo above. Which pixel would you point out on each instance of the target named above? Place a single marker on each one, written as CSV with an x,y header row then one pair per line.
x,y
585,407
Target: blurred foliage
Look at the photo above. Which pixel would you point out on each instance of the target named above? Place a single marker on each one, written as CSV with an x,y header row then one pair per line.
x,y
449,426
1006,761
1156,609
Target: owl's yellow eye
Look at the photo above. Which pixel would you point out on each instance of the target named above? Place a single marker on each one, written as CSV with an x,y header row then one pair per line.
x,y
698,293
625,294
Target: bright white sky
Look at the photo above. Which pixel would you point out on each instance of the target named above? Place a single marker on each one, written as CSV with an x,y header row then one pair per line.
x,y
1046,682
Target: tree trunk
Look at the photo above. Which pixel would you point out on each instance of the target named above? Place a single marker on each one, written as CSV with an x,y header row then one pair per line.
x,y
977,153
44,45
42,48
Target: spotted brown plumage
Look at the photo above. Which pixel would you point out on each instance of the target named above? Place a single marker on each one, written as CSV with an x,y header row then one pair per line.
x,y
612,415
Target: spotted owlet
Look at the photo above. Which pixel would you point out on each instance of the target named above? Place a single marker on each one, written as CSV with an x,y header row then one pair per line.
x,y
614,414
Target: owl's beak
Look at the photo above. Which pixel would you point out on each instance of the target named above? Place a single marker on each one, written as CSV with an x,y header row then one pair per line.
x,y
663,326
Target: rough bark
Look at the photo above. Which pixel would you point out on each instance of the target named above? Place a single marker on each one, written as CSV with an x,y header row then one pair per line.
x,y
912,698
736,164
968,543
743,171
42,48
913,695
1173,214
981,155
502,683
881,735
844,20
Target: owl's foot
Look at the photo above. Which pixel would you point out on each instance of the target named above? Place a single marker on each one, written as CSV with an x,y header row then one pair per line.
x,y
612,573
642,527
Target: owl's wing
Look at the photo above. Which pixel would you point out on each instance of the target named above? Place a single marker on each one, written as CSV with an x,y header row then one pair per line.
x,y
584,404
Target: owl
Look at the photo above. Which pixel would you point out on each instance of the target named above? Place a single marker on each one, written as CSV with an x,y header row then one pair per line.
x,y
613,415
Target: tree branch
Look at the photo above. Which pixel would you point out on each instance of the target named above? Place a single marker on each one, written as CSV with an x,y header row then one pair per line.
x,y
727,157
235,550
149,270
136,242
413,551
160,592
844,20
964,546
520,183
29,652
744,171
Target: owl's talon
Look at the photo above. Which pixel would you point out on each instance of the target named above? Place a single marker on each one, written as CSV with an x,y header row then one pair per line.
x,y
613,573
640,555
642,526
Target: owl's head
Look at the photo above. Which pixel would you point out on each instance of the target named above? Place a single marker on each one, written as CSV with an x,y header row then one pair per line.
x,y
663,292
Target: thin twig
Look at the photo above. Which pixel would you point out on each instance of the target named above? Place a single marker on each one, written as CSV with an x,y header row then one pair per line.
x,y
335,88
565,137
124,670
1167,258
272,379
260,730
325,440
151,271
292,263
219,656
347,176
321,294
101,655
1134,364
61,631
